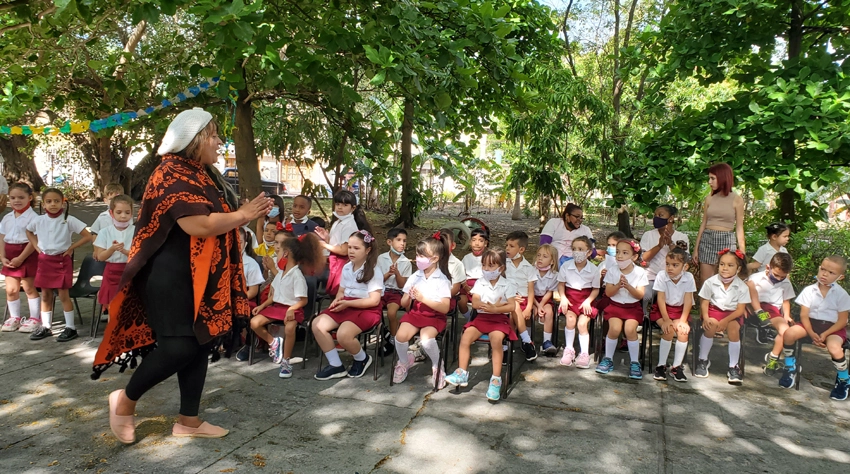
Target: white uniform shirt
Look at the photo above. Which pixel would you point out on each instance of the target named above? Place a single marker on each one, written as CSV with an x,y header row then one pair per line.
x,y
355,289
289,287
765,253
545,283
472,265
384,263
436,287
103,221
636,278
521,275
54,234
674,292
252,270
562,239
658,263
725,299
14,229
824,308
494,294
770,293
572,277
341,230
111,234
457,270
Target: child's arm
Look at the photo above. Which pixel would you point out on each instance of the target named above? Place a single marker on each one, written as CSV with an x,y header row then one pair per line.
x,y
786,312
545,298
635,292
33,241
662,307
400,280
527,312
837,326
405,301
101,254
86,238
252,291
374,299
505,307
476,302
753,266
265,304
441,306
704,219
586,305
341,249
703,309
565,303
739,311
611,289
686,309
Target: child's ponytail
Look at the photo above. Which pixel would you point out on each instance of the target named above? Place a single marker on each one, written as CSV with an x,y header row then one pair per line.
x,y
361,220
437,245
306,251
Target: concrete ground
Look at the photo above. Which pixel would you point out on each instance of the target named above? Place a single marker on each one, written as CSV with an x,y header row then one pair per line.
x,y
53,418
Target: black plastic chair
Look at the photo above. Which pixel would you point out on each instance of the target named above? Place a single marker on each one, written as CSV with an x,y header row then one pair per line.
x,y
364,337
696,331
443,338
83,288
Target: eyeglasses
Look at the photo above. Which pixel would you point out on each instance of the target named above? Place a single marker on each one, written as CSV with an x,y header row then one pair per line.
x,y
581,218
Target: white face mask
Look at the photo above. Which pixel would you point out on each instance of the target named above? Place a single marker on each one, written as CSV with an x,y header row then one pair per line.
x,y
580,257
517,256
624,264
491,275
347,216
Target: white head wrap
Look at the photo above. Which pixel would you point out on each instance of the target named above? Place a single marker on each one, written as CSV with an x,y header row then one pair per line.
x,y
183,129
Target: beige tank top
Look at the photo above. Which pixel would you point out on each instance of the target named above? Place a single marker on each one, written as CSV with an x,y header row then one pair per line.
x,y
721,211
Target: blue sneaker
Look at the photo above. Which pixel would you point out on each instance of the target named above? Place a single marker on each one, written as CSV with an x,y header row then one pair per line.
x,y
494,391
549,349
358,367
285,369
331,372
789,376
459,377
606,365
276,350
634,371
840,392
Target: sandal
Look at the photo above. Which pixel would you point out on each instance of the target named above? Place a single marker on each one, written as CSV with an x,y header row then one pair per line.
x,y
206,430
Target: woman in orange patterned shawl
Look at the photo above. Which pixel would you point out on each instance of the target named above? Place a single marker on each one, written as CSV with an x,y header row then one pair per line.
x,y
183,283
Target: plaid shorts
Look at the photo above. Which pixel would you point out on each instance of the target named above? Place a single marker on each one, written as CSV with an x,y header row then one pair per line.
x,y
714,241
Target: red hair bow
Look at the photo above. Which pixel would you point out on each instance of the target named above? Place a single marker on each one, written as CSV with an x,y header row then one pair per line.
x,y
437,235
287,227
737,253
279,226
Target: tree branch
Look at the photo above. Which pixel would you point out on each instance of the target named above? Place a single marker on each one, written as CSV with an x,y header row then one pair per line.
x,y
569,49
19,26
132,43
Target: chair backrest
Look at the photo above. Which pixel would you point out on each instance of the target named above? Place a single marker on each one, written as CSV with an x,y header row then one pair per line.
x,y
89,269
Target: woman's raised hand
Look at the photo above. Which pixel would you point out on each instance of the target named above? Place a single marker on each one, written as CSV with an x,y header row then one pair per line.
x,y
259,207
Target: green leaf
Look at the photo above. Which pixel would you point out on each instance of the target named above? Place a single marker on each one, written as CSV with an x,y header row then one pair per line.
x,y
754,107
378,78
443,100
372,54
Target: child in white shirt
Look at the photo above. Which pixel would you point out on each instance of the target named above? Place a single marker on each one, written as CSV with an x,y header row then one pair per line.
x,y
523,275
112,245
479,241
546,264
395,268
675,290
20,261
578,283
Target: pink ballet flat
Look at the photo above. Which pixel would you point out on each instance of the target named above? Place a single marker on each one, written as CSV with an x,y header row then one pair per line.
x,y
122,426
206,430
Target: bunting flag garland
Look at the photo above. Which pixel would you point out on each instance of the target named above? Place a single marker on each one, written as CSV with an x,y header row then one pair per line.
x,y
112,121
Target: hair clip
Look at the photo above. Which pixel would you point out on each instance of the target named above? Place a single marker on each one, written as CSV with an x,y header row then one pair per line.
x,y
367,237
635,246
737,253
279,226
437,235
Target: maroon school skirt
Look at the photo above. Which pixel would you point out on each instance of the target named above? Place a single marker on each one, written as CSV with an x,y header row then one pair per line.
x,y
576,298
364,318
335,264
421,316
674,312
28,269
486,323
540,298
109,286
391,296
278,311
602,302
718,314
772,310
470,282
55,272
633,311
819,327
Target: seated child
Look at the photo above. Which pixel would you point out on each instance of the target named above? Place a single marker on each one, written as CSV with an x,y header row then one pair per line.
x,y
104,219
395,268
299,222
266,249
479,241
546,263
674,289
523,275
578,283
773,297
778,235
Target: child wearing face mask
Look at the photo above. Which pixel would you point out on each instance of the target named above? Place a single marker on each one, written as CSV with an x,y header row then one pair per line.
x,y
578,283
774,293
251,268
426,298
523,275
625,285
675,288
479,241
608,260
724,302
395,268
266,248
299,222
112,246
656,244
546,264
778,235
273,217
348,219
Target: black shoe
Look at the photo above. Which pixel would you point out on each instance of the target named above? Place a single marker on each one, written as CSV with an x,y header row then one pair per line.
x,y
358,368
387,349
243,354
734,376
702,368
624,346
67,335
678,374
530,351
40,333
660,373
330,372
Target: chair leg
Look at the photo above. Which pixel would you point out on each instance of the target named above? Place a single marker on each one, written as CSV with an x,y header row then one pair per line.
x,y
556,332
95,319
378,345
508,375
393,361
78,313
697,334
741,360
308,334
643,338
798,352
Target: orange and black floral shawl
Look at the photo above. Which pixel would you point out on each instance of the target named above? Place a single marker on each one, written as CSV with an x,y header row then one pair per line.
x,y
179,187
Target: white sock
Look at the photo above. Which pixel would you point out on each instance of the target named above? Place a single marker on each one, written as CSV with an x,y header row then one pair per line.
x,y
35,306
47,318
525,337
333,358
584,343
401,350
14,308
569,338
704,346
664,351
360,356
69,320
432,349
634,348
610,347
679,353
734,353
547,336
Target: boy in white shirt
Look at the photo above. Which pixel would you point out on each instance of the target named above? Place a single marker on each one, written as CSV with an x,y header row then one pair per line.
x,y
104,220
774,293
395,268
523,275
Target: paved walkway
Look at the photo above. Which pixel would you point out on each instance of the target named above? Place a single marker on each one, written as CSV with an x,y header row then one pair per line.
x,y
53,418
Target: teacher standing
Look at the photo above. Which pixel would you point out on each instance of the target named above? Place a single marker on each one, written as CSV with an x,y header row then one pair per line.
x,y
722,221
183,283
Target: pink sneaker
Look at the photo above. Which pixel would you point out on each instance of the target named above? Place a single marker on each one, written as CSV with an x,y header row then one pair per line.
x,y
30,325
583,361
11,325
441,384
568,357
400,371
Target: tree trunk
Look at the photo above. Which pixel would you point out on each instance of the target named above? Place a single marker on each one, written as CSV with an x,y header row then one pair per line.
x,y
18,166
517,212
405,213
246,154
789,197
142,173
623,224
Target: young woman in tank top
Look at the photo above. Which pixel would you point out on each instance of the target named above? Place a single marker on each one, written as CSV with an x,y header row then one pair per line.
x,y
722,223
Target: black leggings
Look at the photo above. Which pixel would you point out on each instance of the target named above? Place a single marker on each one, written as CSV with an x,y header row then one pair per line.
x,y
173,354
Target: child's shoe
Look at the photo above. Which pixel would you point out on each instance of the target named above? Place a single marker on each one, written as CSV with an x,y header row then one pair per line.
x,y
331,372
734,377
30,325
40,333
789,377
494,391
11,325
549,349
606,365
660,373
678,374
771,364
441,381
702,368
583,361
529,350
459,377
840,392
285,369
634,371
276,350
400,371
568,357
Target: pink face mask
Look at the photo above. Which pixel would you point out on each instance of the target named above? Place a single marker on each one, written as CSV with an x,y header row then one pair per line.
x,y
422,263
624,264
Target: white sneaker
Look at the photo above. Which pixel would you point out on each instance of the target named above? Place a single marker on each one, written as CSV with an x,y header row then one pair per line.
x,y
11,325
30,325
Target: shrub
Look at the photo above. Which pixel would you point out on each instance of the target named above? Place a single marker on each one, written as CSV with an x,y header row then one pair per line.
x,y
810,246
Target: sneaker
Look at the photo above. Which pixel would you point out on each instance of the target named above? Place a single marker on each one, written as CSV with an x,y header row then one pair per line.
x,y
459,377
702,368
789,377
840,392
400,371
771,364
243,354
441,382
285,369
606,365
30,325
494,391
530,351
634,371
67,335
331,372
583,361
41,333
734,377
678,374
764,336
568,357
549,349
660,373
358,367
276,350
11,325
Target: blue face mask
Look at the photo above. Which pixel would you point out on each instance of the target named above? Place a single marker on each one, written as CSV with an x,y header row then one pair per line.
x,y
773,279
274,212
612,251
393,250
